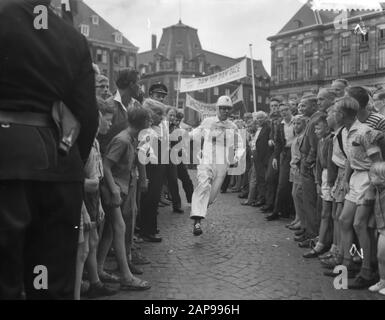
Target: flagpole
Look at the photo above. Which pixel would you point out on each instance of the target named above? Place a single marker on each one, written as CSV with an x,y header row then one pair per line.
x,y
252,73
177,92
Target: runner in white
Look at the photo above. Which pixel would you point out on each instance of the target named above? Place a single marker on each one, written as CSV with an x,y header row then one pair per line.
x,y
221,141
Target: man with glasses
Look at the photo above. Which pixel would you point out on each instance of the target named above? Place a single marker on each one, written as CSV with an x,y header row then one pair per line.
x,y
102,87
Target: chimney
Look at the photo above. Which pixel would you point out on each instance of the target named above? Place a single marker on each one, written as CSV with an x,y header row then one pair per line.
x,y
153,42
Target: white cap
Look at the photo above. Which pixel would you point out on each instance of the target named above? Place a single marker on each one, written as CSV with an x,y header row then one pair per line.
x,y
224,101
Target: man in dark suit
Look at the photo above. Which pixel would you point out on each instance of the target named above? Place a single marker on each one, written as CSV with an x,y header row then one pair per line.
x,y
262,152
281,157
41,192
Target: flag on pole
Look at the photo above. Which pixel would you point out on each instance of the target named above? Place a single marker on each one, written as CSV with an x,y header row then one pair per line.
x,y
192,114
69,9
237,95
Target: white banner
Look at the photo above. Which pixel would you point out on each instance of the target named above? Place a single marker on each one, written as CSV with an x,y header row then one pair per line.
x,y
206,109
233,73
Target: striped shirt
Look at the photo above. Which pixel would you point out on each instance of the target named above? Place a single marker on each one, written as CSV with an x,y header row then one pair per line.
x,y
376,121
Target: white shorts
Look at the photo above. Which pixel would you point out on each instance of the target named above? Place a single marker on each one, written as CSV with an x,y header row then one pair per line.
x,y
326,190
361,191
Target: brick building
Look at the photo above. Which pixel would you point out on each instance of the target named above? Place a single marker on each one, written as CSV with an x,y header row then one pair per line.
x,y
311,50
180,44
110,50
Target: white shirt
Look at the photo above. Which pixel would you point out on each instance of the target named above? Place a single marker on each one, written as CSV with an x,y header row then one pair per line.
x,y
211,129
289,132
118,98
255,138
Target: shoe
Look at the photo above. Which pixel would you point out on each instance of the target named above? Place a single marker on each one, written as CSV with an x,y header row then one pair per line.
x,y
157,231
243,195
330,263
164,201
84,287
378,286
135,284
299,232
134,269
197,229
223,191
306,243
246,203
313,253
98,290
326,255
361,283
260,203
295,228
138,259
151,238
108,277
332,274
178,210
272,217
382,291
301,238
266,209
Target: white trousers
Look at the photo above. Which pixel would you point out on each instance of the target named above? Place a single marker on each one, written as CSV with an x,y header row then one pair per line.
x,y
210,179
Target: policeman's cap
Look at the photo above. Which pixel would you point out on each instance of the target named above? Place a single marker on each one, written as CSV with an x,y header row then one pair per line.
x,y
158,88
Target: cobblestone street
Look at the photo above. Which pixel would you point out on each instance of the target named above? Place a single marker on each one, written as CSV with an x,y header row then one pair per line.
x,y
239,256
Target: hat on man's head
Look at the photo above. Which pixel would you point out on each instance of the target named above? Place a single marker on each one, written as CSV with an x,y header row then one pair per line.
x,y
158,88
125,77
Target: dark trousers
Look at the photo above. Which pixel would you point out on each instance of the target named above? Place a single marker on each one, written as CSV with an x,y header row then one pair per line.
x,y
171,173
284,201
150,199
271,183
187,184
225,183
313,219
260,172
39,226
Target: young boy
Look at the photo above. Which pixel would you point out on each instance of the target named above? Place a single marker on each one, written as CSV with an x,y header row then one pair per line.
x,y
119,174
92,213
324,171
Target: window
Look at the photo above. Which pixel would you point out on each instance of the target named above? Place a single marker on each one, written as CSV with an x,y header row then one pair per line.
x,y
201,67
364,38
142,70
122,61
293,71
131,62
179,43
328,45
251,97
259,99
216,91
267,100
293,51
104,56
364,61
328,67
118,37
308,69
176,87
345,42
85,30
308,47
260,83
157,66
99,55
381,58
279,53
345,64
382,33
95,19
227,92
280,72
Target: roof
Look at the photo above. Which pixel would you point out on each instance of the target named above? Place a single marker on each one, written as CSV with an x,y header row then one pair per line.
x,y
103,31
306,17
220,60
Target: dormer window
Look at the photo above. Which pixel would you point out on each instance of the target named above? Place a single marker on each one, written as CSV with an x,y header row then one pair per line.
x,y
95,19
297,23
118,37
201,66
85,30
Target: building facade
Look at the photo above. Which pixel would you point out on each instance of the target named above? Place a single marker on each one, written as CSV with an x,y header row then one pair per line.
x,y
180,49
313,49
110,50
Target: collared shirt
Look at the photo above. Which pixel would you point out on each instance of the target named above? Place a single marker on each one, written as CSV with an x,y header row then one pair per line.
x,y
339,157
296,158
131,104
360,145
254,138
215,138
376,121
94,166
289,133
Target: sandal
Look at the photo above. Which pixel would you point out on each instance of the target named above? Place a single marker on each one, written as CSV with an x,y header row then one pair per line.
x,y
135,284
108,277
246,203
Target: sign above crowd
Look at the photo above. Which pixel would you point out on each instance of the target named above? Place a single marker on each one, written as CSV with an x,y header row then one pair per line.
x,y
236,72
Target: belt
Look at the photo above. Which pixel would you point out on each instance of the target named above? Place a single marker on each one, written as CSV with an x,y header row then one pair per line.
x,y
26,118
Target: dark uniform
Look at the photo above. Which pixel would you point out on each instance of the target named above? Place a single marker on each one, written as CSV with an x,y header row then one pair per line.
x,y
41,191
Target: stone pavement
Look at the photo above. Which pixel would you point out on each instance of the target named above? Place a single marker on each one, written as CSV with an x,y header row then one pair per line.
x,y
239,256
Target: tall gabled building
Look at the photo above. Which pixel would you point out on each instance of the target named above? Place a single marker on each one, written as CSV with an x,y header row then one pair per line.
x,y
313,49
110,50
180,44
